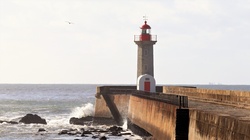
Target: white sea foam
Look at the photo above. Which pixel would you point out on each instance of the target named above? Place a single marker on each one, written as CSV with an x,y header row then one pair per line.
x,y
125,124
58,121
85,110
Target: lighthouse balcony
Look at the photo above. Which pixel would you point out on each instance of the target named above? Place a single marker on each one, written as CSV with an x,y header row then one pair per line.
x,y
145,38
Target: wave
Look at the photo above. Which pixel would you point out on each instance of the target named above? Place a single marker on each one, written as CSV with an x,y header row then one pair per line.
x,y
83,111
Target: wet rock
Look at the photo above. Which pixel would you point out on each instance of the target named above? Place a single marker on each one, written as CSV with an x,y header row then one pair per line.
x,y
71,129
70,132
126,134
103,138
86,132
101,131
63,132
83,135
103,121
115,133
10,122
30,118
81,121
41,130
115,130
74,132
94,137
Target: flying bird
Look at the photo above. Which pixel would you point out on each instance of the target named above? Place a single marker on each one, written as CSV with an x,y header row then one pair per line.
x,y
69,22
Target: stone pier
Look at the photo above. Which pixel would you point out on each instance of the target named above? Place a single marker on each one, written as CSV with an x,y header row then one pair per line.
x,y
178,113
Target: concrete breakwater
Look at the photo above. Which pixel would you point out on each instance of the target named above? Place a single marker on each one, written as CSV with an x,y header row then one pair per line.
x,y
178,112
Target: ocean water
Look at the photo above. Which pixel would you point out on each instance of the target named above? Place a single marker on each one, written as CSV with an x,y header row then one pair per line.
x,y
55,103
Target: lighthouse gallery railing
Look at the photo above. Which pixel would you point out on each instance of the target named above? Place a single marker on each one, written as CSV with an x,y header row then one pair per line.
x,y
138,38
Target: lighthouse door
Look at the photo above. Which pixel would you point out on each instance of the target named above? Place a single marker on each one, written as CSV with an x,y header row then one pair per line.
x,y
147,86
146,83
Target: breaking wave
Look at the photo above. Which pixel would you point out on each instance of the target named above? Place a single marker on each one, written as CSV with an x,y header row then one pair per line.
x,y
83,111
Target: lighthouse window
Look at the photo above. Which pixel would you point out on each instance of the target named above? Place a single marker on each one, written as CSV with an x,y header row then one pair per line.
x,y
148,31
144,31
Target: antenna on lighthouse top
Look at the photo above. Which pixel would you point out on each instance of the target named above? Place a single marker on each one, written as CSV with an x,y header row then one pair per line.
x,y
145,18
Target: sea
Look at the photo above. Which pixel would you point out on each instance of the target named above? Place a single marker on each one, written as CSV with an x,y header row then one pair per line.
x,y
57,103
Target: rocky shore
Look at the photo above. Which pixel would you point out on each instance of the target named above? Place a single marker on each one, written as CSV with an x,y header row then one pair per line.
x,y
109,128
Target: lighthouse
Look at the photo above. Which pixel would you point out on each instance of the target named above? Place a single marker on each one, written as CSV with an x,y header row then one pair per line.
x,y
145,59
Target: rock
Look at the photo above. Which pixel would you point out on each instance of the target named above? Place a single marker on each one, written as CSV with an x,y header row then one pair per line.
x,y
81,121
10,122
126,134
72,133
115,133
69,132
83,135
75,133
94,137
103,121
86,132
115,128
101,131
71,129
63,132
41,130
103,138
30,118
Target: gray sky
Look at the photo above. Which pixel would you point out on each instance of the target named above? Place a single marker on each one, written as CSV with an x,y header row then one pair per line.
x,y
199,41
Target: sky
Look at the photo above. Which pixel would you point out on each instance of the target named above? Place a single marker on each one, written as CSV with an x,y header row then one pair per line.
x,y
198,42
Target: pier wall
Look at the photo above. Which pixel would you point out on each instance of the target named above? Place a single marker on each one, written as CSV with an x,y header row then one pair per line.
x,y
157,118
166,115
237,98
153,112
208,126
119,96
121,101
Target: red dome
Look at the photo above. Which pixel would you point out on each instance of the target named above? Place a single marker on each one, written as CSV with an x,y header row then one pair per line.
x,y
145,26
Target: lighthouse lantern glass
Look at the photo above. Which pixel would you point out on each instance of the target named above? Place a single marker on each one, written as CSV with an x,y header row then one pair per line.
x,y
145,31
148,31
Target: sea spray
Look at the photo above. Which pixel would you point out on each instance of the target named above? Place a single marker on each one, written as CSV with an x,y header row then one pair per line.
x,y
85,110
125,124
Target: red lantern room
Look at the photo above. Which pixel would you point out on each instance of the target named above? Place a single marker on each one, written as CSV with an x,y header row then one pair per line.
x,y
145,32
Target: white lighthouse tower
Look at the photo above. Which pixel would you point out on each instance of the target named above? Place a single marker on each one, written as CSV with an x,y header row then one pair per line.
x,y
145,59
